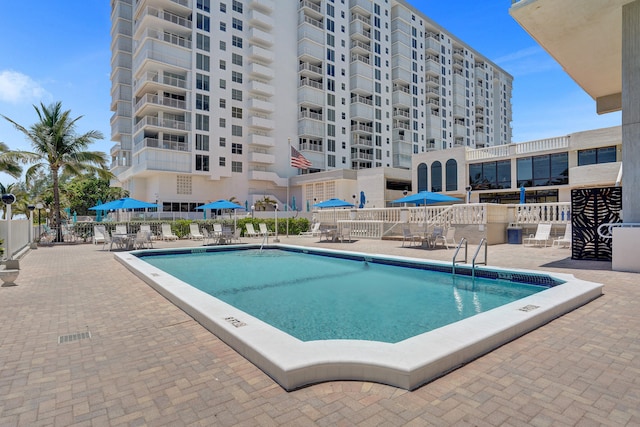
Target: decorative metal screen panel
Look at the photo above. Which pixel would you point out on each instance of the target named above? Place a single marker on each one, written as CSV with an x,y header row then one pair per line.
x,y
591,207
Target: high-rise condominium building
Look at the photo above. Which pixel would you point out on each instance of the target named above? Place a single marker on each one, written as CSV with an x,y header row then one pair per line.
x,y
209,94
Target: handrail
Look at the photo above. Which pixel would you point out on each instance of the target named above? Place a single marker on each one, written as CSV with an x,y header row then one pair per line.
x,y
609,228
455,255
483,241
265,236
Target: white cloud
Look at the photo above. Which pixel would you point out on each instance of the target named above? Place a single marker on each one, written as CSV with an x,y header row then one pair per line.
x,y
17,88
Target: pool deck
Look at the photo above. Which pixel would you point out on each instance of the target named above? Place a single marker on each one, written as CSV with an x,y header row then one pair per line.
x,y
148,363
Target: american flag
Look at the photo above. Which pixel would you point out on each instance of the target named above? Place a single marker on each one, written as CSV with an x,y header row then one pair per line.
x,y
298,160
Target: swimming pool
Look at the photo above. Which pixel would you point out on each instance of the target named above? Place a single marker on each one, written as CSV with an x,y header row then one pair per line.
x,y
406,363
321,297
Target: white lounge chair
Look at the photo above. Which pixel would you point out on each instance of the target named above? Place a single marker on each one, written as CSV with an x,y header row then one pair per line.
x,y
194,232
264,230
449,238
542,235
121,229
147,229
250,231
564,240
142,240
217,232
314,231
167,234
98,234
407,235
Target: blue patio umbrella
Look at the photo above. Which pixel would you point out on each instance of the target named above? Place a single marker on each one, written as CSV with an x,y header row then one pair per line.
x,y
333,203
522,195
222,204
124,203
425,198
363,200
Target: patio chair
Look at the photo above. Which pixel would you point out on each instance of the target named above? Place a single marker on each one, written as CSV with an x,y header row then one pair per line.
x,y
107,240
264,231
121,229
98,234
345,232
314,231
542,235
194,232
449,238
147,229
217,232
407,235
236,235
142,240
250,231
167,234
564,240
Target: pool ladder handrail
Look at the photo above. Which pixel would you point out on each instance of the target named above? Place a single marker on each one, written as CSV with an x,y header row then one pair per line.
x,y
474,263
265,237
455,255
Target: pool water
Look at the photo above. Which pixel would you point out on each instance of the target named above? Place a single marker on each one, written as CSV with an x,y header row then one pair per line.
x,y
314,297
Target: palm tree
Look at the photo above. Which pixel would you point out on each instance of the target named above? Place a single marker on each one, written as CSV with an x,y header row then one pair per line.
x,y
8,164
58,149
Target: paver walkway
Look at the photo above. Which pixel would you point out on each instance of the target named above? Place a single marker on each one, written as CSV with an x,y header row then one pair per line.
x,y
148,363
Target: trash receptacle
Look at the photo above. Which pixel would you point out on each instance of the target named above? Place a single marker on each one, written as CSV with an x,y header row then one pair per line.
x,y
514,234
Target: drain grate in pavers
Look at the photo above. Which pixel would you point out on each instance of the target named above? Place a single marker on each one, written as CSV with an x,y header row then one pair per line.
x,y
62,339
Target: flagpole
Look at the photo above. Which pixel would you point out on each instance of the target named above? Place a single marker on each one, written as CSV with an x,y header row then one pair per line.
x,y
288,180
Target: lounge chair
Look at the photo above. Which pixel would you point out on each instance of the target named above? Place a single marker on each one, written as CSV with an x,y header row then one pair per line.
x,y
98,234
542,235
250,231
407,235
314,231
564,240
194,232
264,231
217,232
449,238
142,240
236,235
121,229
147,229
167,234
345,232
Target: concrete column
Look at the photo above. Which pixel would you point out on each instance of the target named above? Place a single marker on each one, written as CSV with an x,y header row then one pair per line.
x,y
631,111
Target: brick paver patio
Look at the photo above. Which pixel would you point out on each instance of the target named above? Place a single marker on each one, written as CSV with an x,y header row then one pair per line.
x,y
148,363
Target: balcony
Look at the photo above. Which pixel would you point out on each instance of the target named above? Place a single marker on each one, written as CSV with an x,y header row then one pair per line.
x,y
397,124
432,45
310,8
267,6
262,157
149,53
308,95
361,155
260,37
153,81
306,114
261,139
150,104
161,160
359,31
309,70
170,21
309,51
358,47
165,145
261,88
260,71
361,68
261,54
307,30
312,128
259,19
399,113
399,74
361,108
361,141
361,85
261,104
401,97
362,129
261,122
156,122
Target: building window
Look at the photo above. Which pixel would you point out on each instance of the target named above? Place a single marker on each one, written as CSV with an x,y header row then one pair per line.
x,y
202,122
203,42
423,175
236,112
236,41
223,45
436,177
202,102
236,130
222,122
202,163
223,103
237,24
596,156
222,162
237,6
223,26
550,169
202,62
202,22
236,167
202,142
202,82
451,175
484,176
203,5
236,77
236,94
223,7
222,141
236,59
236,148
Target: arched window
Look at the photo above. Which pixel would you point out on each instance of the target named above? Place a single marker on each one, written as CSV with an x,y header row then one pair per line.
x,y
422,177
451,175
436,177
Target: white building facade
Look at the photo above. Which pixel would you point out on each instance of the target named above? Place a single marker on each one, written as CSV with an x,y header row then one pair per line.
x,y
208,95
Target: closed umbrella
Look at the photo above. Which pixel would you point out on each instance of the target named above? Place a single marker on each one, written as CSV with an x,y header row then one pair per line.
x,y
522,195
293,204
363,200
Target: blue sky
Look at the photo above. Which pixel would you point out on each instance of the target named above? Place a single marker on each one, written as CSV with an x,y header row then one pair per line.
x,y
60,51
